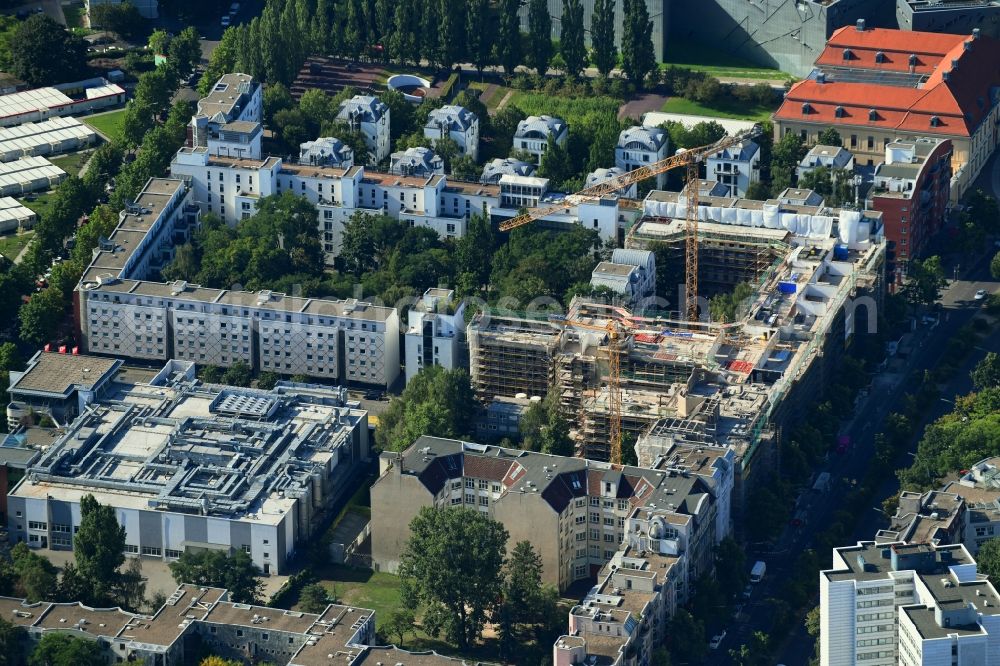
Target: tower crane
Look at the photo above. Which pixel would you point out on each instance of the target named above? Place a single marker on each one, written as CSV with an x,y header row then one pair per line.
x,y
686,158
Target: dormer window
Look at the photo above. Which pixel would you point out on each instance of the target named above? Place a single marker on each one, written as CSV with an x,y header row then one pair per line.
x,y
806,108
872,114
880,57
847,54
839,112
935,121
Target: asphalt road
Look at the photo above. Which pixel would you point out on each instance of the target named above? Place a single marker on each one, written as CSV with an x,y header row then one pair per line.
x,y
958,308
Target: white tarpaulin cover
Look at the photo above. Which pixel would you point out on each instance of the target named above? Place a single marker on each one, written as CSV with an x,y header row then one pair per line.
x,y
808,226
848,226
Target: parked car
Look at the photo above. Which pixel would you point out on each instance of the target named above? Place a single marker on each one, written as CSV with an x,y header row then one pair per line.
x,y
980,295
747,591
374,395
717,640
225,21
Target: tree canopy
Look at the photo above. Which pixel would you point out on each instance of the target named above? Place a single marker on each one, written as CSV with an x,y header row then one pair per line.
x,y
602,36
436,402
59,649
452,566
924,281
214,568
43,52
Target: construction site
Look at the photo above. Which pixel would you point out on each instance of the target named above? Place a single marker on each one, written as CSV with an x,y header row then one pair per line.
x,y
681,383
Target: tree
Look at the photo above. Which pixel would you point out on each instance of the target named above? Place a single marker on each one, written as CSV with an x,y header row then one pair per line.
x,y
11,644
453,48
995,266
508,44
474,251
99,547
184,52
556,164
924,281
464,167
637,42
453,564
986,374
10,359
237,573
314,598
686,637
602,36
403,40
36,576
238,374
123,19
829,137
813,621
571,44
216,660
982,212
40,317
539,36
159,41
988,559
479,34
59,649
758,191
42,52
730,565
399,623
526,605
437,402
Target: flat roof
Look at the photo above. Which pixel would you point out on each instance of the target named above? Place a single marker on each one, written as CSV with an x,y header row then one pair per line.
x,y
29,101
50,372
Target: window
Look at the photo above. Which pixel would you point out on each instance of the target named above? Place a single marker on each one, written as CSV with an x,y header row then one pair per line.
x,y
150,550
246,548
469,483
483,485
35,525
175,554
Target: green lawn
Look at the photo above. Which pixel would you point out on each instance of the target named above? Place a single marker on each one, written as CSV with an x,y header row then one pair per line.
x,y
718,63
41,203
568,108
491,101
12,244
109,124
71,163
727,109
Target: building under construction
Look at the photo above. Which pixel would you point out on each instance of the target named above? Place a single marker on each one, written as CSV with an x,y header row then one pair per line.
x,y
730,385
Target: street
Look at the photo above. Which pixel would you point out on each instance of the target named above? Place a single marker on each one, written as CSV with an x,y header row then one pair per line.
x,y
958,309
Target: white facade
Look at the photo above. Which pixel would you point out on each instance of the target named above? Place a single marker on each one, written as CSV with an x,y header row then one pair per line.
x,y
435,332
888,604
641,146
418,161
458,123
535,133
508,166
735,167
326,151
831,157
598,176
228,119
369,116
231,188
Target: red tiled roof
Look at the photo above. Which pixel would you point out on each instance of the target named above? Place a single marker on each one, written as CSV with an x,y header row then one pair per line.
x,y
931,48
960,100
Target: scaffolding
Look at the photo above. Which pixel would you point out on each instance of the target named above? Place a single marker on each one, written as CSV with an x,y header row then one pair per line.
x,y
509,356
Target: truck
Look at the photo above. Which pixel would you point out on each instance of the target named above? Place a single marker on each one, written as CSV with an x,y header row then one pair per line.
x,y
757,573
822,482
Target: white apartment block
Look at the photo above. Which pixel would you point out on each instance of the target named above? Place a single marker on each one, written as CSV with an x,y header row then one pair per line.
x,y
735,167
641,146
369,116
435,332
598,176
228,119
232,187
457,123
418,161
831,157
980,488
123,313
535,133
326,151
909,604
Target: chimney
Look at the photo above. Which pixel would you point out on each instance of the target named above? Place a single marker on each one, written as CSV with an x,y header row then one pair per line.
x,y
861,25
975,33
820,77
945,76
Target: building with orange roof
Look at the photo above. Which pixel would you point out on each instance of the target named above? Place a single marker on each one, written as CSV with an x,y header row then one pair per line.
x,y
877,86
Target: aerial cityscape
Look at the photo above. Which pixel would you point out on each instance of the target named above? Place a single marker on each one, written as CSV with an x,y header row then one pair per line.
x,y
500,332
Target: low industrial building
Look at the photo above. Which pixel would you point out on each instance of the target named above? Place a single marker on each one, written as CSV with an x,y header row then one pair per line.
x,y
190,466
15,216
66,99
28,174
124,312
49,137
959,17
59,386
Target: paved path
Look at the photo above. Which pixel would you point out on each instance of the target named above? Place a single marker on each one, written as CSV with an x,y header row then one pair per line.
x,y
643,103
506,98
